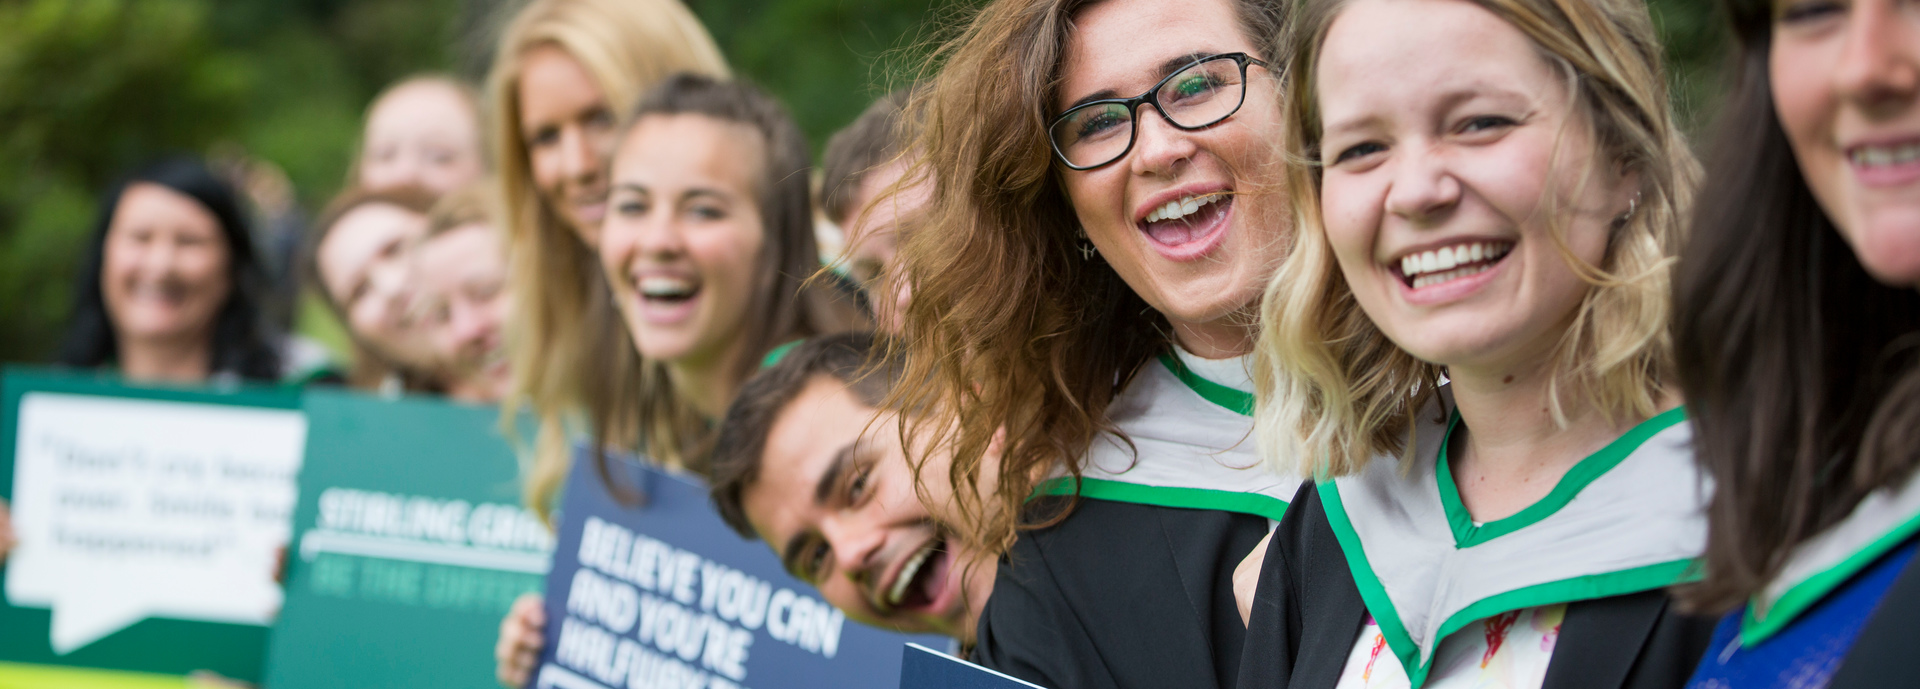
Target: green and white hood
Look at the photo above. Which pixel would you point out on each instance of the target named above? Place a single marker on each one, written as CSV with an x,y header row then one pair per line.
x,y
1628,518
1190,424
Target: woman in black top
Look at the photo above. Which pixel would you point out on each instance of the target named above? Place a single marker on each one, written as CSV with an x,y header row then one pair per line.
x,y
1467,349
170,288
1084,280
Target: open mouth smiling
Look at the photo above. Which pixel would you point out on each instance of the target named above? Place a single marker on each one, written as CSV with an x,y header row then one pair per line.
x,y
918,581
1421,269
1187,225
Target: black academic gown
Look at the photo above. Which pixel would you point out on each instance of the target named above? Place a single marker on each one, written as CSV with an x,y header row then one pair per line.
x,y
1308,613
1884,653
1121,596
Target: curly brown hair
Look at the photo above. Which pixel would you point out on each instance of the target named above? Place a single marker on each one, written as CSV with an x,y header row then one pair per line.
x,y
1010,331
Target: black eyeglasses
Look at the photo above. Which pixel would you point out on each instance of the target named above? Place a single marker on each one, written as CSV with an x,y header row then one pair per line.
x,y
1207,91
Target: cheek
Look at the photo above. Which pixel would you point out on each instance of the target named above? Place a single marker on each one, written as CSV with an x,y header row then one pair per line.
x,y
1098,198
545,165
1800,94
731,257
1350,210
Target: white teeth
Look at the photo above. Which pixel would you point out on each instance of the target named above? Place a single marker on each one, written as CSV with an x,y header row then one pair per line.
x,y
1437,278
1180,208
1423,265
665,287
907,573
1877,156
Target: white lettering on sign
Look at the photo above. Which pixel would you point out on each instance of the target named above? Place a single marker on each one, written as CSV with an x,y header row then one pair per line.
x,y
643,614
126,509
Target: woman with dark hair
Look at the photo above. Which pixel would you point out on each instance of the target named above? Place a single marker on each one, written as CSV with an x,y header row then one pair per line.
x,y
1796,320
170,289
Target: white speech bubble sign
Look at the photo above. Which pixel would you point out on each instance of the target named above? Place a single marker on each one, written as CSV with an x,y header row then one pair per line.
x,y
128,509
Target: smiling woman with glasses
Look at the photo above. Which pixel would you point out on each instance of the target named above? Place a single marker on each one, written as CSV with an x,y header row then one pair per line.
x,y
1083,303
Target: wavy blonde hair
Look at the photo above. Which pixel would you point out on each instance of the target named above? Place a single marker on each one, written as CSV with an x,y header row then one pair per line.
x,y
568,346
1334,392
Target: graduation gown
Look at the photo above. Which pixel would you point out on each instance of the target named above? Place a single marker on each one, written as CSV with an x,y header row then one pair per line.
x,y
1621,526
1134,588
1796,632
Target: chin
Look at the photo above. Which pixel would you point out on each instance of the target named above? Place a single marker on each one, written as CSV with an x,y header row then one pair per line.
x,y
1890,249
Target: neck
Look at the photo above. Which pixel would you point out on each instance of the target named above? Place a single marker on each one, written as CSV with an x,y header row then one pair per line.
x,y
1509,452
708,382
1222,339
166,360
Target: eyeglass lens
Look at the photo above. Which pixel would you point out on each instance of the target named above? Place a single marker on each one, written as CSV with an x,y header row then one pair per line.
x,y
1097,133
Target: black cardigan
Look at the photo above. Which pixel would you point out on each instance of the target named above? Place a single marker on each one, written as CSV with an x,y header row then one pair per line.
x,y
1121,596
1307,615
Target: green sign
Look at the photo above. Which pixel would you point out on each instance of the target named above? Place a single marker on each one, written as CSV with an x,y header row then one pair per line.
x,y
410,546
148,524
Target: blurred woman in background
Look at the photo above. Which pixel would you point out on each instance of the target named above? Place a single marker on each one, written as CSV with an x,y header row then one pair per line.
x,y
1796,323
563,72
359,260
169,289
462,272
423,131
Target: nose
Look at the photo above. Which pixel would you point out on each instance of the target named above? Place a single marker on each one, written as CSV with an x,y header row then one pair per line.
x,y
1878,67
1423,190
854,543
391,283
1159,148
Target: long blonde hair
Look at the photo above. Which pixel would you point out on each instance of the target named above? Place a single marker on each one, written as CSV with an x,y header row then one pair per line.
x,y
1334,392
567,344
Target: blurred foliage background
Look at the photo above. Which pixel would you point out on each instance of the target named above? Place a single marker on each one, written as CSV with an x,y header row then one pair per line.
x,y
90,88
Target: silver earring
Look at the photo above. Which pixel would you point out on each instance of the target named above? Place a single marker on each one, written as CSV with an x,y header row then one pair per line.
x,y
1085,246
1633,204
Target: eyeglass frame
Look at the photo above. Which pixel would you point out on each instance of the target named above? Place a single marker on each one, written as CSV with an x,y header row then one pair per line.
x,y
1151,97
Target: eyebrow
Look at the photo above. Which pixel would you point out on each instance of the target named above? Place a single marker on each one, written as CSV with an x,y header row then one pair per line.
x,y
822,493
1167,68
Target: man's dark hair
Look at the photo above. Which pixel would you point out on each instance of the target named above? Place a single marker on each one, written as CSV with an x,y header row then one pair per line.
x,y
850,358
874,138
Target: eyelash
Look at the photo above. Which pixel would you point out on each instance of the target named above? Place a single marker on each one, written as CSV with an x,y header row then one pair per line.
x,y
1357,150
1489,120
1808,11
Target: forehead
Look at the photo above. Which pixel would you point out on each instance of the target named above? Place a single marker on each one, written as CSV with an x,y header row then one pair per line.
x,y
361,233
1436,47
156,205
1121,45
668,152
469,248
421,108
806,437
553,82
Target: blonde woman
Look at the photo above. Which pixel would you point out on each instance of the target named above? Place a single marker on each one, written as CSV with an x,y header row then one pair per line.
x,y
1468,350
563,71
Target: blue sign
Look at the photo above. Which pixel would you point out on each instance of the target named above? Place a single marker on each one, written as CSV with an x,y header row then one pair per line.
x,y
663,594
925,668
